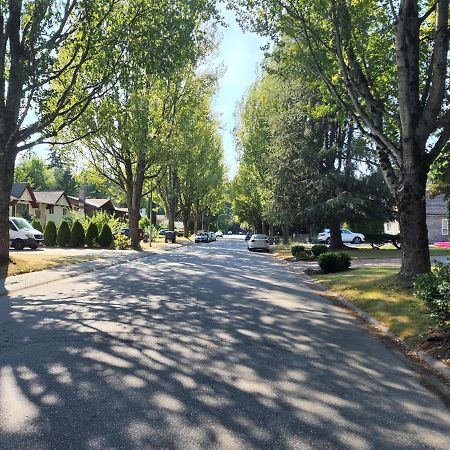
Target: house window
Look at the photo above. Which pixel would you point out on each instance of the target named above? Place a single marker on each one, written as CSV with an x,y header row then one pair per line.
x,y
51,210
22,210
445,227
64,211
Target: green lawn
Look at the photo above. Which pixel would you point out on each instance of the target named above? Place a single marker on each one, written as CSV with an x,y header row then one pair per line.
x,y
377,291
365,251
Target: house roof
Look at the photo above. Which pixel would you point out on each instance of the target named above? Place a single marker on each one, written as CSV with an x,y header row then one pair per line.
x,y
19,188
122,210
99,202
437,206
50,197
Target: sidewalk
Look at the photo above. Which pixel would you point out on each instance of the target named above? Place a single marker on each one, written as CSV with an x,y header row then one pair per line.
x,y
112,258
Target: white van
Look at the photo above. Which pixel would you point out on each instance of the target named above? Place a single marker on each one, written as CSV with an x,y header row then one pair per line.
x,y
22,234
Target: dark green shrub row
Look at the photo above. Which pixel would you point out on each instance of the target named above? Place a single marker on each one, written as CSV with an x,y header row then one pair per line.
x,y
75,237
334,262
434,290
379,239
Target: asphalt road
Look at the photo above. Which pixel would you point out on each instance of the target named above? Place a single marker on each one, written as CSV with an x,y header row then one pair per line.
x,y
204,347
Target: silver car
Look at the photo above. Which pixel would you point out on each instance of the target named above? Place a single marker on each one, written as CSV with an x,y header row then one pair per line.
x,y
258,242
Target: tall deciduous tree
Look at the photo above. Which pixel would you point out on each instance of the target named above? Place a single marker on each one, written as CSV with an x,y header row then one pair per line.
x,y
44,46
386,62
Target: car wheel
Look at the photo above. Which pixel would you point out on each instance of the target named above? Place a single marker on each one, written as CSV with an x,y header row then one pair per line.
x,y
328,241
34,246
18,244
357,240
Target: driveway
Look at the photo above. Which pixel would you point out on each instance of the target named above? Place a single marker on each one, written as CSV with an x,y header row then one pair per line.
x,y
205,347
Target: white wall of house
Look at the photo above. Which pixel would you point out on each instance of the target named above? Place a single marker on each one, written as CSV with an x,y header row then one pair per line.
x,y
56,213
392,227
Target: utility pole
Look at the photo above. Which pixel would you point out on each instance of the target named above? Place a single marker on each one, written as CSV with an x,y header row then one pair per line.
x,y
150,208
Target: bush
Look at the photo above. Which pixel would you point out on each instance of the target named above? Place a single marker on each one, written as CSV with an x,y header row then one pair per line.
x,y
50,234
379,239
77,237
144,223
63,237
304,256
91,234
36,224
334,262
121,242
318,249
434,290
105,238
297,248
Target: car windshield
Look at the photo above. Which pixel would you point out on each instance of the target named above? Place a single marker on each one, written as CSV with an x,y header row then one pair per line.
x,y
22,224
259,236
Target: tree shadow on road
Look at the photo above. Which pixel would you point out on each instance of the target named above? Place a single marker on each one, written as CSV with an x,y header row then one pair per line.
x,y
202,350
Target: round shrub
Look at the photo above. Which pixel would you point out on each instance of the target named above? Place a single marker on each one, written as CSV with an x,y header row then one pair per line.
x,y
297,248
63,237
105,238
50,234
91,234
36,224
303,256
77,237
318,249
334,262
121,242
434,290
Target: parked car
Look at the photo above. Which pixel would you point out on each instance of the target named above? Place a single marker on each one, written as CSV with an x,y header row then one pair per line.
x,y
211,236
347,236
248,236
178,233
162,232
219,234
22,234
126,232
201,236
230,233
258,242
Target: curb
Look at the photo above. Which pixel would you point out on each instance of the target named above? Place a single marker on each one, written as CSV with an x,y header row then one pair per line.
x,y
433,363
101,266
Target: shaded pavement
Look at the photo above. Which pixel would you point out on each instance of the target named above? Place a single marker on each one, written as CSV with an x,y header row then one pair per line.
x,y
204,347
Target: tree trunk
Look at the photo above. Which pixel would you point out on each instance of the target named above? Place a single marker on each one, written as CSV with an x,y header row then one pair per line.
x,y
134,197
185,222
335,235
7,161
413,226
285,232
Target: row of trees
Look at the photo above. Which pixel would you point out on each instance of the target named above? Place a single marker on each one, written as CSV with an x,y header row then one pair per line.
x,y
385,63
110,74
304,164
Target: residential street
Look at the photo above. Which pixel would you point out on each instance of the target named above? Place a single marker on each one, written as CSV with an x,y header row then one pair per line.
x,y
204,347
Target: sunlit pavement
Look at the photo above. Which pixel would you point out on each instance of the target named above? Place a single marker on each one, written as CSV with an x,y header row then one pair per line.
x,y
207,346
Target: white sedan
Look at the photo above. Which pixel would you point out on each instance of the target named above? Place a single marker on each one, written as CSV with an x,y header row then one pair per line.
x,y
219,234
258,242
347,236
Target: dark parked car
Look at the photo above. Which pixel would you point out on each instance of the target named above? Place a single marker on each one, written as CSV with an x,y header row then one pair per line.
x,y
126,232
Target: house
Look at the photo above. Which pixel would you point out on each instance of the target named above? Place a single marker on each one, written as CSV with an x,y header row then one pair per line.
x,y
437,220
52,205
22,201
92,205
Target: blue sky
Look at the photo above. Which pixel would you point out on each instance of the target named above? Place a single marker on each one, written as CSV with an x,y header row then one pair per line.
x,y
241,56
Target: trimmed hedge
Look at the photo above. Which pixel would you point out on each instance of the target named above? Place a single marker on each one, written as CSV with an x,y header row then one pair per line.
x,y
36,224
319,249
63,237
50,234
91,234
105,238
297,248
77,236
334,262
